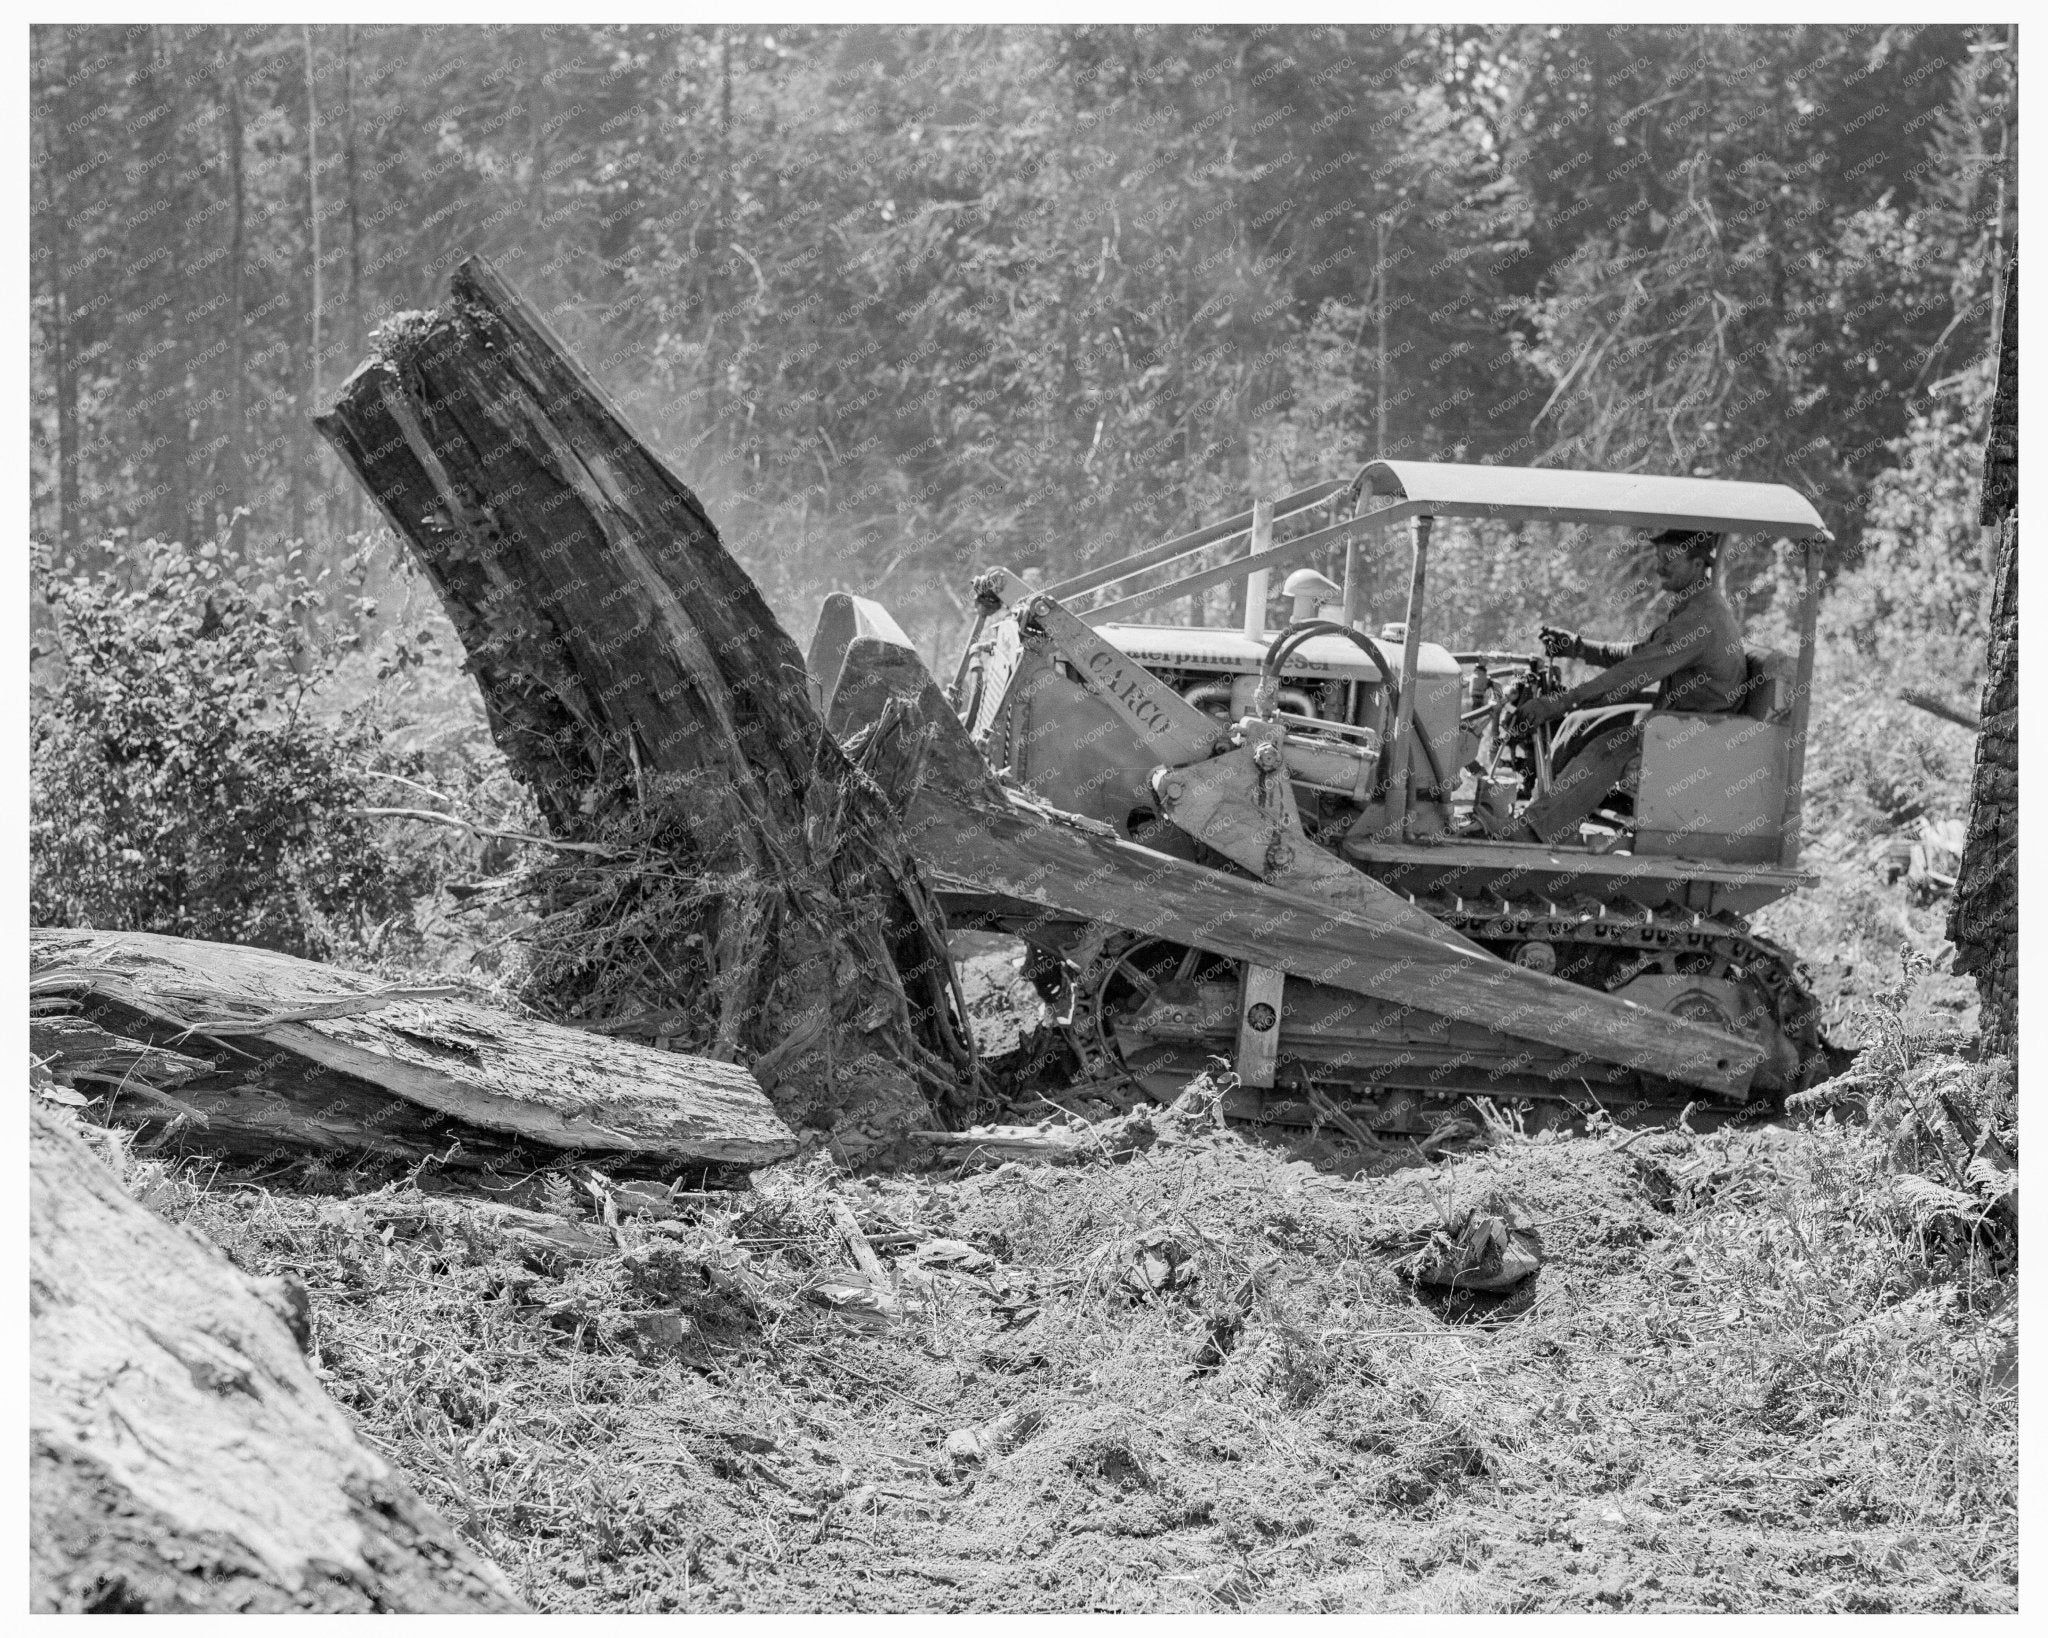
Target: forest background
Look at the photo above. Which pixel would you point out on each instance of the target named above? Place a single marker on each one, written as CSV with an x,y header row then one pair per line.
x,y
904,303
901,303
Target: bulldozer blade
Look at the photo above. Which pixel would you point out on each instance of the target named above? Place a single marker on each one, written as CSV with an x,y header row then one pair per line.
x,y
1033,855
962,826
844,618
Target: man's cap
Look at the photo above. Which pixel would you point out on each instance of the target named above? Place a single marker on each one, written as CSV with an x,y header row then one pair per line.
x,y
1697,542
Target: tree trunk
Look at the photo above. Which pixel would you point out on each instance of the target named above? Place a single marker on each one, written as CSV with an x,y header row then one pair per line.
x,y
354,521
305,463
313,201
60,338
181,515
634,676
1984,924
238,465
182,1454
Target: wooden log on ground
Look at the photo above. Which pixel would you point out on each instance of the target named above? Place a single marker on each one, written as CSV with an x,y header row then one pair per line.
x,y
479,1068
308,1110
182,1455
629,665
80,1049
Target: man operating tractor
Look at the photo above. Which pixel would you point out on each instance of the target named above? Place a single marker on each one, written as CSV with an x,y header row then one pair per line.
x,y
1693,659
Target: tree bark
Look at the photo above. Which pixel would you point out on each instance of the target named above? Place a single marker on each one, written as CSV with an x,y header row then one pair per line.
x,y
305,462
354,520
182,1454
487,1072
239,469
1984,923
184,431
632,671
60,338
313,200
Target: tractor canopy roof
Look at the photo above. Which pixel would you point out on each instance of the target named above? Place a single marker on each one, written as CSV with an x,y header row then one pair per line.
x,y
1528,494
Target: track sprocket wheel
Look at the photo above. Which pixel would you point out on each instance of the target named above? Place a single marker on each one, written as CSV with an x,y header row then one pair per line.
x,y
1104,992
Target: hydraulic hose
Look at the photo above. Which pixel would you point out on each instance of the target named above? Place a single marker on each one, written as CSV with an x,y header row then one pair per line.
x,y
1299,631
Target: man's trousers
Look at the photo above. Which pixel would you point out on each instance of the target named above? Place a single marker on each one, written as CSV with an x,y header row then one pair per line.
x,y
1613,757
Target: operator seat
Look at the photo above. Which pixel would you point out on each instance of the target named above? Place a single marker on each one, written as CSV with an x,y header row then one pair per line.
x,y
1713,783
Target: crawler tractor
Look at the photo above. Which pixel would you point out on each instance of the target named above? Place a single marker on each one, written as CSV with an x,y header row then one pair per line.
x,y
1274,771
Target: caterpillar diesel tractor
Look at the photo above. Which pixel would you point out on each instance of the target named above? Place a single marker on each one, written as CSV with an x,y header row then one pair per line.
x,y
1262,842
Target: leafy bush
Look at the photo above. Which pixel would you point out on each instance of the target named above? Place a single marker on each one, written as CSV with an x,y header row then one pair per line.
x,y
179,783
1913,615
1944,1129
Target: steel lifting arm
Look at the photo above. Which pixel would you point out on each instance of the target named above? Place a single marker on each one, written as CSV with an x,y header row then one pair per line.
x,y
1231,789
1180,735
1173,730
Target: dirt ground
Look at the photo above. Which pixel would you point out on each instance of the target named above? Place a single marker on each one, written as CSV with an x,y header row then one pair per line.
x,y
1195,1377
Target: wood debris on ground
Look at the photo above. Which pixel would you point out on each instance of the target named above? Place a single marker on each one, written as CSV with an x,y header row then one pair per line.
x,y
1490,1247
1074,1384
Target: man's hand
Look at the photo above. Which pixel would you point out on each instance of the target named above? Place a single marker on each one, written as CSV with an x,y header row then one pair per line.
x,y
1534,713
1558,643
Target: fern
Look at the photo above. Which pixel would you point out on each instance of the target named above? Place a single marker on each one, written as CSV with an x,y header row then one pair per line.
x,y
1929,1201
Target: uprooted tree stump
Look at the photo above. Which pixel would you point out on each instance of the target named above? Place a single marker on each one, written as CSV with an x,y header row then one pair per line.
x,y
637,680
182,1454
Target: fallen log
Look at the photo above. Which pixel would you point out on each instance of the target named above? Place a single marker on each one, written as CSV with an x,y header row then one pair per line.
x,y
631,671
182,1454
298,1053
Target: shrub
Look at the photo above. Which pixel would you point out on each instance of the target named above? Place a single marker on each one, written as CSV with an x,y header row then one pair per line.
x,y
178,783
1912,614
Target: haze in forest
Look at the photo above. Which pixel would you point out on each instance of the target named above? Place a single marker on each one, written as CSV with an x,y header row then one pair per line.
x,y
903,302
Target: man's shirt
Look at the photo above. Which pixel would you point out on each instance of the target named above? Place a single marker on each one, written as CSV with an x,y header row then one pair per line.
x,y
1694,657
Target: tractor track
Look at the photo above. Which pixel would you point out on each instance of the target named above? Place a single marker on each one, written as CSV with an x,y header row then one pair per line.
x,y
1594,944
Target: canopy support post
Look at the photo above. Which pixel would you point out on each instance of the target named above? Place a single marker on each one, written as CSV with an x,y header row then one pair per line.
x,y
1257,584
1411,642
